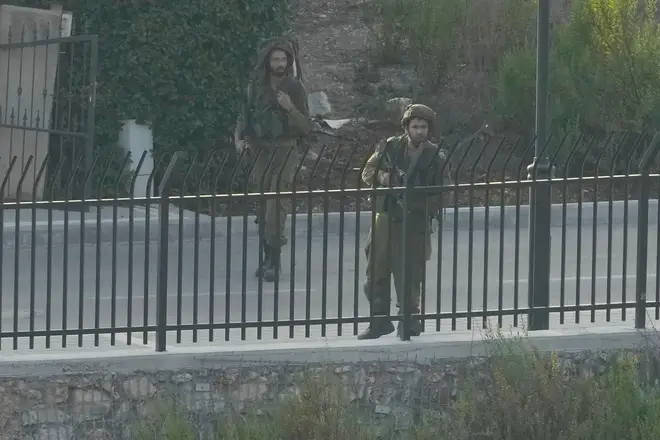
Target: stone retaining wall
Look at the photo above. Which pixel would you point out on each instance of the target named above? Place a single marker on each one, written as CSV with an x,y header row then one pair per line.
x,y
101,406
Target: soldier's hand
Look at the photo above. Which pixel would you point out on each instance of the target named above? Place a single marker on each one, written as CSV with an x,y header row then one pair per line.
x,y
401,177
284,100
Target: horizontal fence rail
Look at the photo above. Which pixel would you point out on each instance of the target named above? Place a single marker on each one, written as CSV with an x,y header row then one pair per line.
x,y
179,265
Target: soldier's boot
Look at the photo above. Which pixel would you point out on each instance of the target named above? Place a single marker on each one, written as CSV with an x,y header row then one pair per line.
x,y
266,261
271,272
416,328
379,326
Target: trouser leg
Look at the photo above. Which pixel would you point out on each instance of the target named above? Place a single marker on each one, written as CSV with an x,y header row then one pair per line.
x,y
277,209
260,178
377,282
409,285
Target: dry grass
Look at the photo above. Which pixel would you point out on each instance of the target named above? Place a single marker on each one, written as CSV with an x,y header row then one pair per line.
x,y
523,394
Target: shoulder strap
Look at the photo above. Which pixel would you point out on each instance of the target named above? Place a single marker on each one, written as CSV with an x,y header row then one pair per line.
x,y
387,148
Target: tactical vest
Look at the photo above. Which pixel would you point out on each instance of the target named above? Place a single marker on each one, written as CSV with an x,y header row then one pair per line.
x,y
394,152
267,120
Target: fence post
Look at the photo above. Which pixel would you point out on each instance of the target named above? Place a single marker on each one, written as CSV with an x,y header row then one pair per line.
x,y
643,235
163,247
540,206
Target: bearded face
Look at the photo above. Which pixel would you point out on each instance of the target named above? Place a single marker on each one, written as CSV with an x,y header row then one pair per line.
x,y
418,131
278,62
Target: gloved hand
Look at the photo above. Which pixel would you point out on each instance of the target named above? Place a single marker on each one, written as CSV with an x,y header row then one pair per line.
x,y
400,177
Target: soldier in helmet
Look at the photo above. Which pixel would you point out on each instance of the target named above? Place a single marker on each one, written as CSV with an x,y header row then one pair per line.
x,y
408,156
275,118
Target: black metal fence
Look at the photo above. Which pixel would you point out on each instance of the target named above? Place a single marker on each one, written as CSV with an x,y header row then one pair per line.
x,y
179,268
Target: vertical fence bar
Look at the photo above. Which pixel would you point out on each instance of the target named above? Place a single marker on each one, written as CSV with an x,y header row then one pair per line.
x,y
196,251
292,258
342,220
163,247
310,211
97,280
279,201
81,268
642,250
131,240
114,262
356,249
179,285
643,236
238,166
17,247
3,192
33,254
405,295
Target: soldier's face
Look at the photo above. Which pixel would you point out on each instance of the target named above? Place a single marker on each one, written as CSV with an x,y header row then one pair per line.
x,y
418,131
278,62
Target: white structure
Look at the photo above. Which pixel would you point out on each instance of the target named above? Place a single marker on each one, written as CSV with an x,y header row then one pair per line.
x,y
136,139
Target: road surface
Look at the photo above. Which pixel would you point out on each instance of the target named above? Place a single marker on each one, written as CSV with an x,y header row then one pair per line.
x,y
118,283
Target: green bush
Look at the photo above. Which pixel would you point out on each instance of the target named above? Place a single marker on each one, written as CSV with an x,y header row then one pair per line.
x,y
180,66
604,59
524,394
531,395
439,37
604,70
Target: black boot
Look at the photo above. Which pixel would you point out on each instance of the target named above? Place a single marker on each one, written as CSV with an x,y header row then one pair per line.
x,y
416,328
379,326
272,270
266,261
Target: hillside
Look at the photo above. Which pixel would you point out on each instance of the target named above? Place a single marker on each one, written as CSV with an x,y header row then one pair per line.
x,y
335,41
340,46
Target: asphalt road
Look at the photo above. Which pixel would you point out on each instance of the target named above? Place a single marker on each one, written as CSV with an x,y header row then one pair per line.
x,y
204,286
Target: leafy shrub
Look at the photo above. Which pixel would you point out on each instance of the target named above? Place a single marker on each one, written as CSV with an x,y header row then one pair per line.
x,y
438,36
532,395
604,76
603,69
604,59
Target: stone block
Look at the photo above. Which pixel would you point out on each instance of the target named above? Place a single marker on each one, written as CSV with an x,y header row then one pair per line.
x,y
139,388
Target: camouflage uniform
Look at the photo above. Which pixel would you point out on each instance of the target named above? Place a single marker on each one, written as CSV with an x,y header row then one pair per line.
x,y
385,247
273,134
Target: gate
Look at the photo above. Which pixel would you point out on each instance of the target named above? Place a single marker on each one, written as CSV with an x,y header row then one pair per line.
x,y
47,100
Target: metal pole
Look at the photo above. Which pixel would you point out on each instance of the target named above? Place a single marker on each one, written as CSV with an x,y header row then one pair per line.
x,y
643,232
540,197
163,254
542,56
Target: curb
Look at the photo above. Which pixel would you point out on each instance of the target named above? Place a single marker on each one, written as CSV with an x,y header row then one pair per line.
x,y
319,224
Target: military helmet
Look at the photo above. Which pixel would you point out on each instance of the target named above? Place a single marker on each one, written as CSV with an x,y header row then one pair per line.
x,y
418,111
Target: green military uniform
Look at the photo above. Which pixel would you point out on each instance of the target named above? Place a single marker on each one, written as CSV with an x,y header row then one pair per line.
x,y
385,245
274,134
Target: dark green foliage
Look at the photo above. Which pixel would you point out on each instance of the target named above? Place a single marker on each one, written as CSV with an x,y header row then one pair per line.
x,y
180,66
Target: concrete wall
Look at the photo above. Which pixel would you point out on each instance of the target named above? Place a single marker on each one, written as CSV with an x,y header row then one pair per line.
x,y
27,83
97,395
